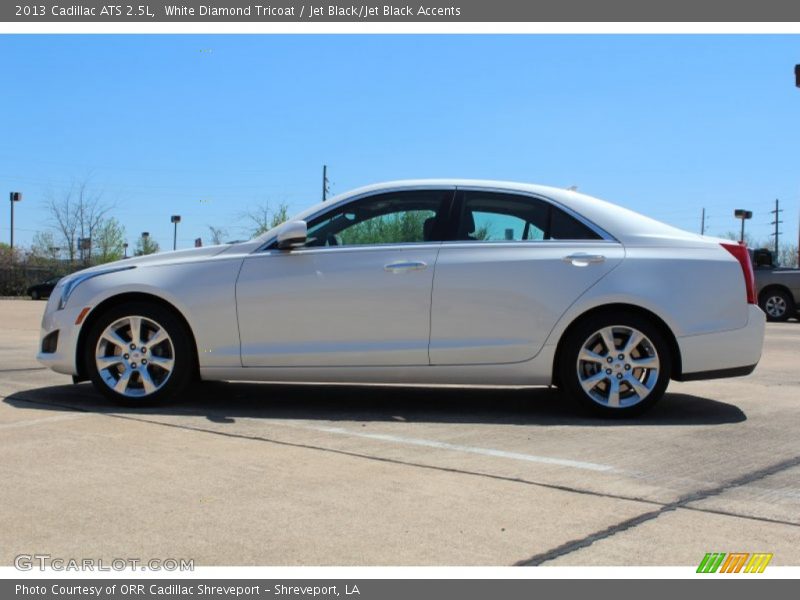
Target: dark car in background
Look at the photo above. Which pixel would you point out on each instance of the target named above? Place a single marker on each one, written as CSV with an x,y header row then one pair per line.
x,y
778,288
43,289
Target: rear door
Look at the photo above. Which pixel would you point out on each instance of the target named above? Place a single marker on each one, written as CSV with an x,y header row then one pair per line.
x,y
514,265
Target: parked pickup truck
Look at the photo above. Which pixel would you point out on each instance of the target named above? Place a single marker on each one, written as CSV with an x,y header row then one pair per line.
x,y
778,288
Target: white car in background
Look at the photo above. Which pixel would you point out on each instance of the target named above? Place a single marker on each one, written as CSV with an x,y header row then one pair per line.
x,y
422,282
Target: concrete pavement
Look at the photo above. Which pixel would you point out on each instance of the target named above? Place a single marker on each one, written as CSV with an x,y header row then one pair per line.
x,y
247,474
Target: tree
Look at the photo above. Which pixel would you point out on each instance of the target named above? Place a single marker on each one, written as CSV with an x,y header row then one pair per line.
x,y
748,239
388,229
263,218
44,248
146,245
482,233
76,213
12,280
8,257
787,255
218,235
108,240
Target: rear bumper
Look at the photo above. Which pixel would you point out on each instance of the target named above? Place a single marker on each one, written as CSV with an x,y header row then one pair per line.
x,y
723,354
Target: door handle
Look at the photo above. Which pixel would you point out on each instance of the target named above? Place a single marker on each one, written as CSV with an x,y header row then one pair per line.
x,y
582,260
405,265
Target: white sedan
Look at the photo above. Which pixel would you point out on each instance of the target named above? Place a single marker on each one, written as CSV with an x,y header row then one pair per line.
x,y
422,282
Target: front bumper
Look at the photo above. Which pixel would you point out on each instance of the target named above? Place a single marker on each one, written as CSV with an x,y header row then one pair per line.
x,y
726,353
62,360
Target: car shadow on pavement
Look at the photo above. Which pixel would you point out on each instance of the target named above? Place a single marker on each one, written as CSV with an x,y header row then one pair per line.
x,y
222,402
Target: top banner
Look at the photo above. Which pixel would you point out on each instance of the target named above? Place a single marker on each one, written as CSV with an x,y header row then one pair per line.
x,y
441,11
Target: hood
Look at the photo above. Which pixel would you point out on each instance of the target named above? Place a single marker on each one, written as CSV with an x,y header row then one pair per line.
x,y
162,258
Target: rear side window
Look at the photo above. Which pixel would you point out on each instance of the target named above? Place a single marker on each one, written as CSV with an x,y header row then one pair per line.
x,y
567,227
492,216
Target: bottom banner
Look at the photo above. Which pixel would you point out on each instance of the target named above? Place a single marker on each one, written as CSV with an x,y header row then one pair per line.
x,y
378,589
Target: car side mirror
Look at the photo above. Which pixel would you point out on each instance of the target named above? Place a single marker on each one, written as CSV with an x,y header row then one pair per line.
x,y
292,234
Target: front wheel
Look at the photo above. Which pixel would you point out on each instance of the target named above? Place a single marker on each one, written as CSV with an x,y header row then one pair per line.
x,y
615,364
139,354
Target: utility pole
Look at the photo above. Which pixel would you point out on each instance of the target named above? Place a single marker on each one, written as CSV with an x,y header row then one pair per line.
x,y
703,222
777,233
325,182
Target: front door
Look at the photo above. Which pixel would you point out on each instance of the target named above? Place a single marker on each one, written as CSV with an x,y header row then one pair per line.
x,y
358,294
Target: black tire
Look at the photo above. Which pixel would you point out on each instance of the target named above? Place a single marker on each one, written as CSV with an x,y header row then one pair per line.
x,y
35,295
599,400
777,304
179,348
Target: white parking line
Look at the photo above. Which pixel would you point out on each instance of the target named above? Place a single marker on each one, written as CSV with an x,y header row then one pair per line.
x,y
53,419
562,462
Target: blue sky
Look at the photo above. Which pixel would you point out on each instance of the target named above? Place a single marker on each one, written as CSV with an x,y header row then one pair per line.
x,y
210,126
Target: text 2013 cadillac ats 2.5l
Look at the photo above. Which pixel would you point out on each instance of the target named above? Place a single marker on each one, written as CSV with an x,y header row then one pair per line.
x,y
422,282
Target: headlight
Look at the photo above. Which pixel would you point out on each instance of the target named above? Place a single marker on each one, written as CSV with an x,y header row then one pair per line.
x,y
75,280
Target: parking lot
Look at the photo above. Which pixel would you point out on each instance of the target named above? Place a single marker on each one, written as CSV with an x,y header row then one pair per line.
x,y
246,474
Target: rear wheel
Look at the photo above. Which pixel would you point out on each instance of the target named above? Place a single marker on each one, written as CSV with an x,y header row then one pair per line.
x,y
35,295
139,354
615,364
777,304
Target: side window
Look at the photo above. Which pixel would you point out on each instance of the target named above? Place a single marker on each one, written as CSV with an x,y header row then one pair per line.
x,y
491,216
393,218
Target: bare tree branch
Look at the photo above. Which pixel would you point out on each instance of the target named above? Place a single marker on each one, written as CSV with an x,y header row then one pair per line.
x,y
76,213
218,235
263,218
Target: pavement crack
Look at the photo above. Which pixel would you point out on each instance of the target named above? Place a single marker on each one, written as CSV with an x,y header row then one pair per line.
x,y
681,502
726,513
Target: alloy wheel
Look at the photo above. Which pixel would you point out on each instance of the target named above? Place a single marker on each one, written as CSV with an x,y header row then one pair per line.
x,y
135,356
618,366
775,306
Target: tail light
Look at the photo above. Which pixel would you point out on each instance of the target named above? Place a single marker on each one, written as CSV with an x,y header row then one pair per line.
x,y
740,253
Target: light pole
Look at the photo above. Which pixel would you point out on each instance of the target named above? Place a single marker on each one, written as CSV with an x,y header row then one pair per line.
x,y
13,197
742,214
125,249
145,236
175,219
